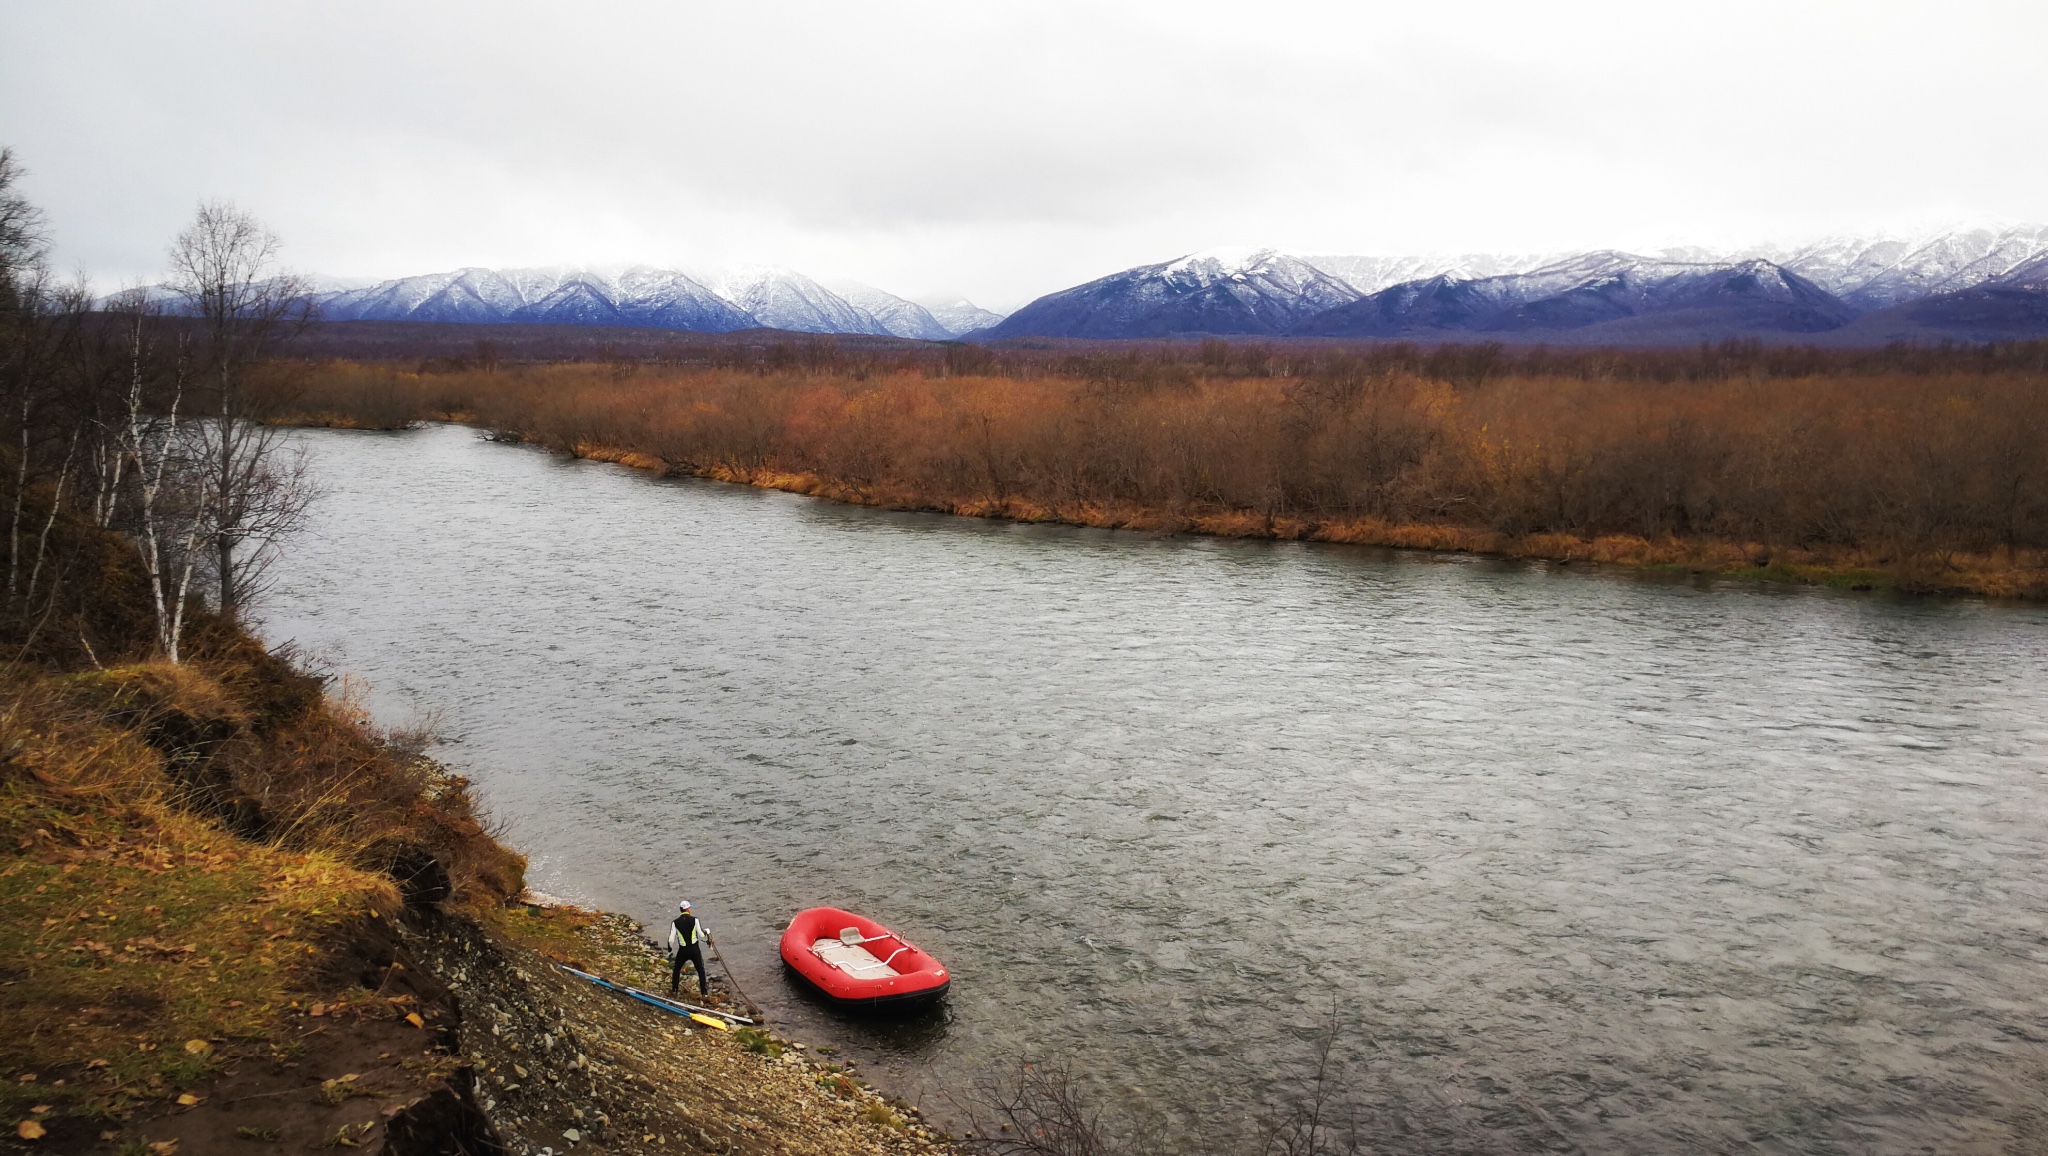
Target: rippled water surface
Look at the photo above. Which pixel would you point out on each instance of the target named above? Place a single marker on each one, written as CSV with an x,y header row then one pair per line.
x,y
1579,860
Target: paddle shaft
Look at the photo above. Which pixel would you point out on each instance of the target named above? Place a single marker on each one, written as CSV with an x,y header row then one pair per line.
x,y
667,1005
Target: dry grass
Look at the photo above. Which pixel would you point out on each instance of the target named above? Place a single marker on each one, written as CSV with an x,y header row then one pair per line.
x,y
260,747
187,853
141,945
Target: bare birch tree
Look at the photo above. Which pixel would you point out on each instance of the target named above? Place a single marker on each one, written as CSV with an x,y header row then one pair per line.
x,y
162,478
25,344
224,266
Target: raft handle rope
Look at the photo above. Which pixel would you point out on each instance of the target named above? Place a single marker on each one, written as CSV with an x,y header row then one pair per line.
x,y
850,937
729,976
852,967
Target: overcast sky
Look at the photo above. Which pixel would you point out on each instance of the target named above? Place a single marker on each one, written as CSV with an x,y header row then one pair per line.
x,y
1004,150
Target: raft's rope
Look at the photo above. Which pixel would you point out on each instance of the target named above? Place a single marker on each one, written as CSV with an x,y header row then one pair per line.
x,y
729,977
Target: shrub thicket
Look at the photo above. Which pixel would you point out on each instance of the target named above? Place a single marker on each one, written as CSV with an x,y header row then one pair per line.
x,y
1931,472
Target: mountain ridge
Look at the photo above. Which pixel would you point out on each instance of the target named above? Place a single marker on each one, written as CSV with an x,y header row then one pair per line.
x,y
1975,281
1978,283
703,300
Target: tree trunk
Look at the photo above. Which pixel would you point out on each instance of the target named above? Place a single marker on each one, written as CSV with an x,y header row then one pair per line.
x,y
224,546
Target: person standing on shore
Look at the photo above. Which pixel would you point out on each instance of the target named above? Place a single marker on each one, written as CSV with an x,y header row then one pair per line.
x,y
683,937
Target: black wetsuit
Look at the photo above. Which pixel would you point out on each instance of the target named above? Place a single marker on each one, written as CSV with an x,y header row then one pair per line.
x,y
688,950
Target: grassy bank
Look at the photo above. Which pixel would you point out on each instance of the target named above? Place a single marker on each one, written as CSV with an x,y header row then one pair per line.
x,y
205,869
1933,480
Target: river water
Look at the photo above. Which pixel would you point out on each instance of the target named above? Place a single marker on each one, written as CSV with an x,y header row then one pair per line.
x,y
1573,859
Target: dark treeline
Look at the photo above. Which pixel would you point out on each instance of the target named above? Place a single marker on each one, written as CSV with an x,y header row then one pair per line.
x,y
436,348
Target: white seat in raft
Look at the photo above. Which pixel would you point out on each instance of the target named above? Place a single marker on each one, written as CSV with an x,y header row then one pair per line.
x,y
853,959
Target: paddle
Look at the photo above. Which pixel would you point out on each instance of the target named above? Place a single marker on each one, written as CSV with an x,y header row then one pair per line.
x,y
673,1006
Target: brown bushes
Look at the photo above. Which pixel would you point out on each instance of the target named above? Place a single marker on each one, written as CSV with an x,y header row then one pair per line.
x,y
1929,477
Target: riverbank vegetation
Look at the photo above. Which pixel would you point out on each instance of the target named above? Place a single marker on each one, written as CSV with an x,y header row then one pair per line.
x,y
1919,469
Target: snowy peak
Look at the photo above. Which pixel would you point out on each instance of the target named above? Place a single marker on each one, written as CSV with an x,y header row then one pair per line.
x,y
1372,274
785,299
711,301
1261,270
1874,273
894,314
1589,296
1209,266
1229,291
637,296
1605,295
961,316
1679,294
2031,275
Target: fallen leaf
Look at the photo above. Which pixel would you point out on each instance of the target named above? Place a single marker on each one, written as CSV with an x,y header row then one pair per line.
x,y
26,1078
187,1100
198,1047
91,1064
318,1009
39,1109
164,1148
414,1019
29,1130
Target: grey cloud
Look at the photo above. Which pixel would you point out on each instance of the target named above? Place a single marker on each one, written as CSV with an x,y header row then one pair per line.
x,y
990,146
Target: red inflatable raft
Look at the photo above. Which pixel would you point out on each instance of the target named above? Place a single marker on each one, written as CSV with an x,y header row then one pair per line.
x,y
855,962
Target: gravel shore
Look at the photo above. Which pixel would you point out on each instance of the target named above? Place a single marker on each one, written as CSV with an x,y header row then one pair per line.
x,y
563,1065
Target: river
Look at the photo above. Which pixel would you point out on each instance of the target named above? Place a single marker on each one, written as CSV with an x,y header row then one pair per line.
x,y
1573,859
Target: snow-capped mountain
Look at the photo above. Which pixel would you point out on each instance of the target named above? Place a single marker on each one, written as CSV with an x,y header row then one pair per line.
x,y
661,298
1960,284
894,314
2031,274
1876,273
781,298
1258,291
1680,295
1372,274
705,301
961,316
1608,291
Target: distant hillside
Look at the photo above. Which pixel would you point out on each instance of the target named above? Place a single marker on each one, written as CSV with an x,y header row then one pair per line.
x,y
1985,282
1959,285
702,301
1599,297
897,317
962,317
1256,291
